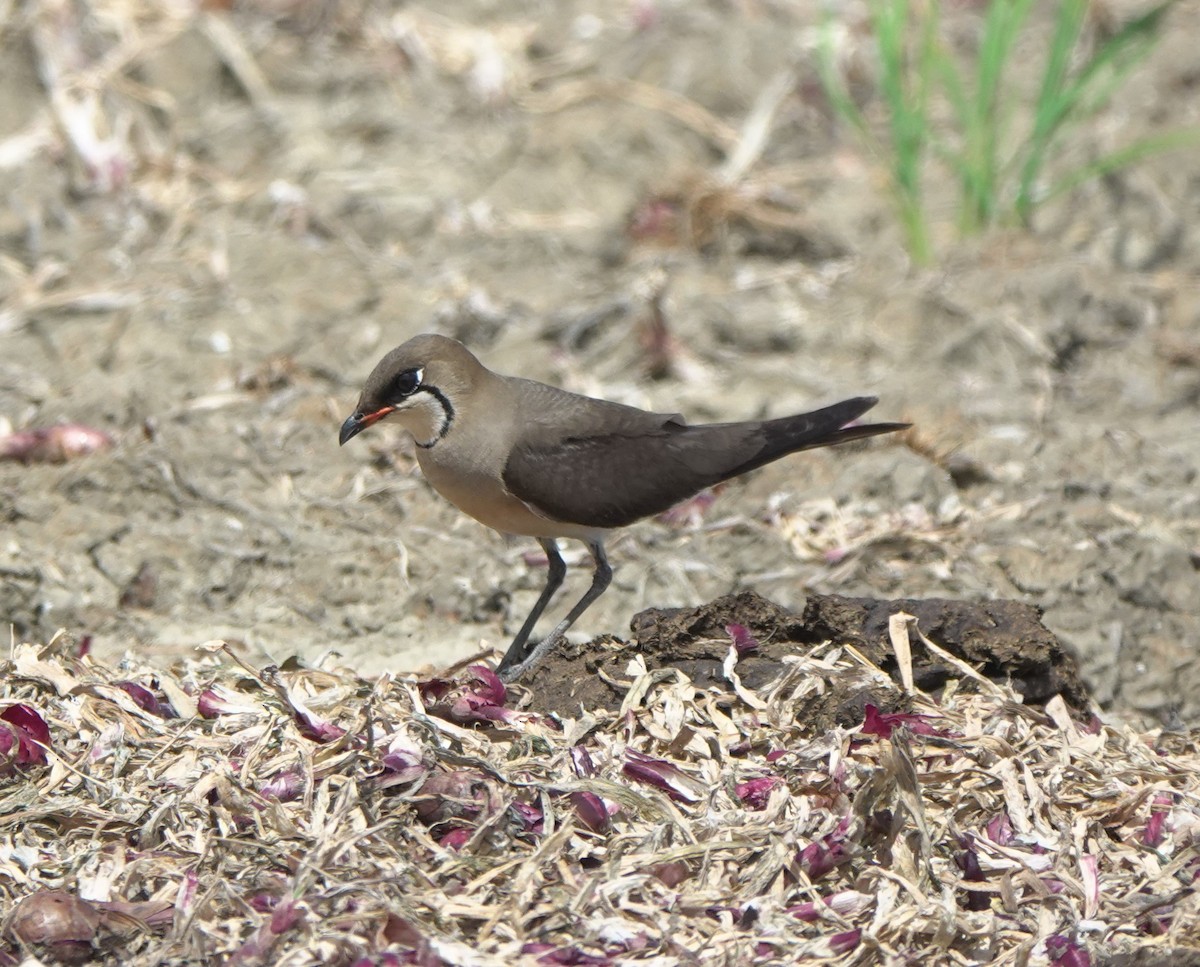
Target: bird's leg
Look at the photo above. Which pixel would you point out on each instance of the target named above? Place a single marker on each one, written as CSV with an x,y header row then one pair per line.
x,y
601,578
554,580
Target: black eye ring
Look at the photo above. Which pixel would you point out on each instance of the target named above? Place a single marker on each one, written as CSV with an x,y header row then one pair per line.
x,y
407,383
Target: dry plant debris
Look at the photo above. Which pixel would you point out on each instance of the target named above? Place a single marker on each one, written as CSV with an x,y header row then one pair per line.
x,y
224,814
53,444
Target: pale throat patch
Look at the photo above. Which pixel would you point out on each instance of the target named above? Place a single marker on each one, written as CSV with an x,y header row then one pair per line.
x,y
426,417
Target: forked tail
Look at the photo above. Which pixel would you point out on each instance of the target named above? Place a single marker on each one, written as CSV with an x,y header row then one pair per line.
x,y
825,427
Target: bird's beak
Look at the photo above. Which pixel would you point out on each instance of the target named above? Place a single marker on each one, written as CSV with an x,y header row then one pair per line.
x,y
357,422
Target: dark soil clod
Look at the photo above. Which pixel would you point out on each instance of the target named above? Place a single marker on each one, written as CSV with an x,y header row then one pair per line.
x,y
1004,640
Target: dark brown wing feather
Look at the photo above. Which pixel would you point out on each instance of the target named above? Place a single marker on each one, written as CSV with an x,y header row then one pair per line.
x,y
654,461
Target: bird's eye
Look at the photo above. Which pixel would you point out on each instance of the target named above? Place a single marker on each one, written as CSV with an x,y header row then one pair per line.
x,y
407,383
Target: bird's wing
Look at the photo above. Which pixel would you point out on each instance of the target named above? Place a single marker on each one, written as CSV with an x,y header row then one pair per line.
x,y
604,465
614,478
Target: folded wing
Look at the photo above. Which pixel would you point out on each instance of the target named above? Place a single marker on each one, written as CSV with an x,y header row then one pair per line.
x,y
647,463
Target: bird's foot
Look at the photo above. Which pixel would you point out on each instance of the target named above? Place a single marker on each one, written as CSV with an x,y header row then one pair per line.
x,y
515,672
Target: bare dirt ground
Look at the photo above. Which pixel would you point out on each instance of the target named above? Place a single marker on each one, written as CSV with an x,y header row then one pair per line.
x,y
288,191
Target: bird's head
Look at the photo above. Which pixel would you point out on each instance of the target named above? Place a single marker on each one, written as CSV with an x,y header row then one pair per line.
x,y
416,383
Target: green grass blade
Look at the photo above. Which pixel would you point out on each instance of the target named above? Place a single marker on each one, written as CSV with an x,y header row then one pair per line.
x,y
1086,92
985,131
889,19
904,86
1112,62
1124,157
1051,106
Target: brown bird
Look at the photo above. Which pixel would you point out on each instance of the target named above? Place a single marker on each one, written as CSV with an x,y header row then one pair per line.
x,y
527,458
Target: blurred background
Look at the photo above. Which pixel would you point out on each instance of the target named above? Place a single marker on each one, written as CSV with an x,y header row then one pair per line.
x,y
215,217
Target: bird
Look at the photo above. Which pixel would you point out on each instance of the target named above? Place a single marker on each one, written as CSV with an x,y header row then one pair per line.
x,y
530,459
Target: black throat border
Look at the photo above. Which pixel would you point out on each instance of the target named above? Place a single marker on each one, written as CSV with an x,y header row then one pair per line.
x,y
447,416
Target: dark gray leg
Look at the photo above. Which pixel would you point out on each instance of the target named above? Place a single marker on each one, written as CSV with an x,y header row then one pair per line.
x,y
601,578
554,580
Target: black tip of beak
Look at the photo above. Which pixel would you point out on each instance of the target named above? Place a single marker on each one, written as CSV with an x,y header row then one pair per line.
x,y
351,428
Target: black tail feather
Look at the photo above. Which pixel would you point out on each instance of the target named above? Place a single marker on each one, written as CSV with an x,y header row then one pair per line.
x,y
825,427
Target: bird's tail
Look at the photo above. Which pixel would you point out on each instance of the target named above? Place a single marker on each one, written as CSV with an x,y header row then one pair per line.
x,y
825,427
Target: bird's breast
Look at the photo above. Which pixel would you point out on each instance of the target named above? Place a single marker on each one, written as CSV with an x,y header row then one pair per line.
x,y
474,485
